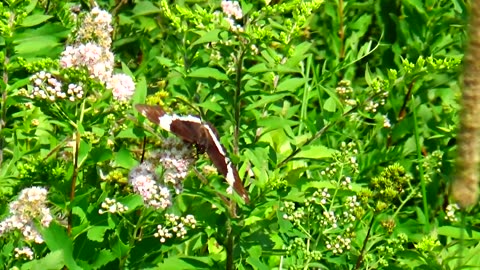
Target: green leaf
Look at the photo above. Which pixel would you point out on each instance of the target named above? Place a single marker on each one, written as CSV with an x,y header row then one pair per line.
x,y
83,152
124,159
259,68
211,36
119,249
145,8
267,99
140,90
291,84
132,201
300,53
186,263
35,19
104,257
257,263
316,152
53,260
56,238
457,233
208,72
330,105
166,62
36,44
96,233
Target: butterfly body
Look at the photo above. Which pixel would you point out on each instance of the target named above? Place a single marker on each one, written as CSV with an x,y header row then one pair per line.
x,y
193,130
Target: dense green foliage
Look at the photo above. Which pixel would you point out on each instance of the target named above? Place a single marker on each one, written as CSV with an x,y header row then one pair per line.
x,y
341,117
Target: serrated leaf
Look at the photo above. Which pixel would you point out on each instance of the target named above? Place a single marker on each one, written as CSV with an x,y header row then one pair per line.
x,y
96,233
208,72
167,62
104,257
56,238
257,263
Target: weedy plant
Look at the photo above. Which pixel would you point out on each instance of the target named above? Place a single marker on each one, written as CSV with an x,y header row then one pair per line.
x,y
340,117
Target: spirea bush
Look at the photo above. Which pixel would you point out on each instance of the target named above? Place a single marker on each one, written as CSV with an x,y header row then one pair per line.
x,y
340,117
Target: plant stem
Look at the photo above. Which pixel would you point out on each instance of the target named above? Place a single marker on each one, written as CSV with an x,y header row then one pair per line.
x,y
420,167
74,178
341,31
236,101
360,258
229,246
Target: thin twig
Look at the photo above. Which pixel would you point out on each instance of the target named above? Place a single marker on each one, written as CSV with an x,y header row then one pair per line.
x,y
74,179
362,253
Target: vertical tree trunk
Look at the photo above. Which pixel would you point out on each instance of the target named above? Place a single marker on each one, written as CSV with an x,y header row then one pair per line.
x,y
465,186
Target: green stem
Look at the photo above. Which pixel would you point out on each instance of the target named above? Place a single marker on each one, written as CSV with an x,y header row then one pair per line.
x,y
420,167
229,246
236,101
74,179
306,93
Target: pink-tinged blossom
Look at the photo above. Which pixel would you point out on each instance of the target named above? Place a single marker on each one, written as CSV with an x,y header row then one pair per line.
x,y
176,159
122,87
144,182
97,60
30,206
233,12
232,9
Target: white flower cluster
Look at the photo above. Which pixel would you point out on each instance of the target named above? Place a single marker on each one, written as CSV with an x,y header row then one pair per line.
x,y
450,211
144,181
29,207
293,214
46,86
97,25
386,122
351,205
321,197
339,244
233,11
112,206
122,87
345,92
92,52
329,219
176,159
175,226
24,252
346,183
96,59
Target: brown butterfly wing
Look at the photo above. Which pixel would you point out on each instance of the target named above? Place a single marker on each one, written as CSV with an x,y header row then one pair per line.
x,y
151,112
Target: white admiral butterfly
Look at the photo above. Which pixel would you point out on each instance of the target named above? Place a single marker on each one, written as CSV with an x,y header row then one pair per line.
x,y
193,130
